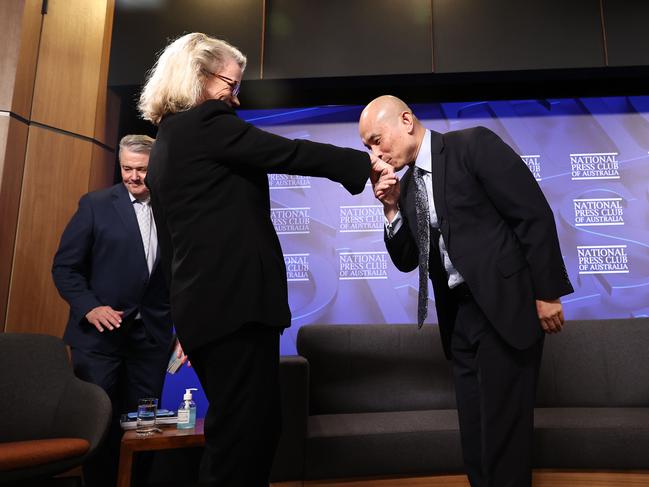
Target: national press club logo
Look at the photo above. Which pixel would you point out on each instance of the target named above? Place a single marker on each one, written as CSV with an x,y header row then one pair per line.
x,y
603,259
362,265
595,165
361,218
533,162
288,181
297,267
291,221
597,212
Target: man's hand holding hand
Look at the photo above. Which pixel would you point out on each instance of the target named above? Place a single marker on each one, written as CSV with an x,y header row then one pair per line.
x,y
387,190
385,184
104,318
551,315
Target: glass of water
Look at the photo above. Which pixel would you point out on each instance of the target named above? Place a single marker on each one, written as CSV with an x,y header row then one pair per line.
x,y
146,412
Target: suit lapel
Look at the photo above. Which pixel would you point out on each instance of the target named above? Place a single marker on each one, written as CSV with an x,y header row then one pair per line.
x,y
124,208
439,177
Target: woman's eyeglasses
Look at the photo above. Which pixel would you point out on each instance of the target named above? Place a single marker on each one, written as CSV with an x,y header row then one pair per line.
x,y
235,86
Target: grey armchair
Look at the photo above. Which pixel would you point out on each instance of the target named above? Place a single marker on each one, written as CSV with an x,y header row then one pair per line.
x,y
50,421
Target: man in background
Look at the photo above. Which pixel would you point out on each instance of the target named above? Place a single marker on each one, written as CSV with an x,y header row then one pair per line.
x,y
469,214
106,268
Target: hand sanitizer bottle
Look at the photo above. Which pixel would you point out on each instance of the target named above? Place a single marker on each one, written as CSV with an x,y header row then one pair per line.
x,y
187,411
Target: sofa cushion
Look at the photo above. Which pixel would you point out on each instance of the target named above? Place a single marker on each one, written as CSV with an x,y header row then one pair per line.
x,y
388,443
375,368
596,363
420,442
591,438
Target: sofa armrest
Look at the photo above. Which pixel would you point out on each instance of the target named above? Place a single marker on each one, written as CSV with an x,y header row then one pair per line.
x,y
294,384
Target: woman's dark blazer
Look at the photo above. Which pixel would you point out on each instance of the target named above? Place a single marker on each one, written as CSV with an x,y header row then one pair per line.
x,y
208,176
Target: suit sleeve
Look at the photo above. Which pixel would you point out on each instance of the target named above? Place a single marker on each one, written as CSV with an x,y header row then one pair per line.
x,y
402,248
520,201
71,267
234,141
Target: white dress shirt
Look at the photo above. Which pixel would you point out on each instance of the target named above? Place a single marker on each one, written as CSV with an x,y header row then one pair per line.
x,y
424,161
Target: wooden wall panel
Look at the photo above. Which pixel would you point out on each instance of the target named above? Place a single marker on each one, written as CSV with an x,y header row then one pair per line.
x,y
57,171
27,58
102,168
10,29
19,34
105,115
13,143
53,73
69,76
107,124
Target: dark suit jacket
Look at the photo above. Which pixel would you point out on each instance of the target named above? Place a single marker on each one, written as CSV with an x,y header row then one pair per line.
x,y
498,229
209,188
101,261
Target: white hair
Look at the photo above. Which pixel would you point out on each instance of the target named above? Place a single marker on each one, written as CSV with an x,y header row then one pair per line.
x,y
176,81
141,144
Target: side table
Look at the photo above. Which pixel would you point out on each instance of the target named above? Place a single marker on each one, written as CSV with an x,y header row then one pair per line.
x,y
170,438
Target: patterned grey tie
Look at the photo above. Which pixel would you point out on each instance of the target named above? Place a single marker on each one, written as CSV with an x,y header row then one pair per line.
x,y
423,242
144,222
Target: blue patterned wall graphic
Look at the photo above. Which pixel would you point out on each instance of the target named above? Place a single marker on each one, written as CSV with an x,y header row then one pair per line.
x,y
589,155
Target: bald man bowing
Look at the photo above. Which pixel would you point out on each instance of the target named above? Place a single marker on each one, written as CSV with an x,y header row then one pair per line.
x,y
469,214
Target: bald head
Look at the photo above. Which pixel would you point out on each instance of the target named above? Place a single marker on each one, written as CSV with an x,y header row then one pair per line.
x,y
391,131
386,108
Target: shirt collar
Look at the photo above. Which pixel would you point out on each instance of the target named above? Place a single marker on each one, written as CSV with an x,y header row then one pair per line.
x,y
133,199
424,158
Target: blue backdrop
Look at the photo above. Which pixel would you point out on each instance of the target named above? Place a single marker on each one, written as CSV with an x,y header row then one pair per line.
x,y
589,155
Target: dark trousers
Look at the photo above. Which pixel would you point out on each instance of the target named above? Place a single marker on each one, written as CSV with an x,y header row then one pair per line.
x,y
134,371
495,388
239,374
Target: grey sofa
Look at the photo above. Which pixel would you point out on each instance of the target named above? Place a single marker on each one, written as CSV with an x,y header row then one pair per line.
x,y
378,400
